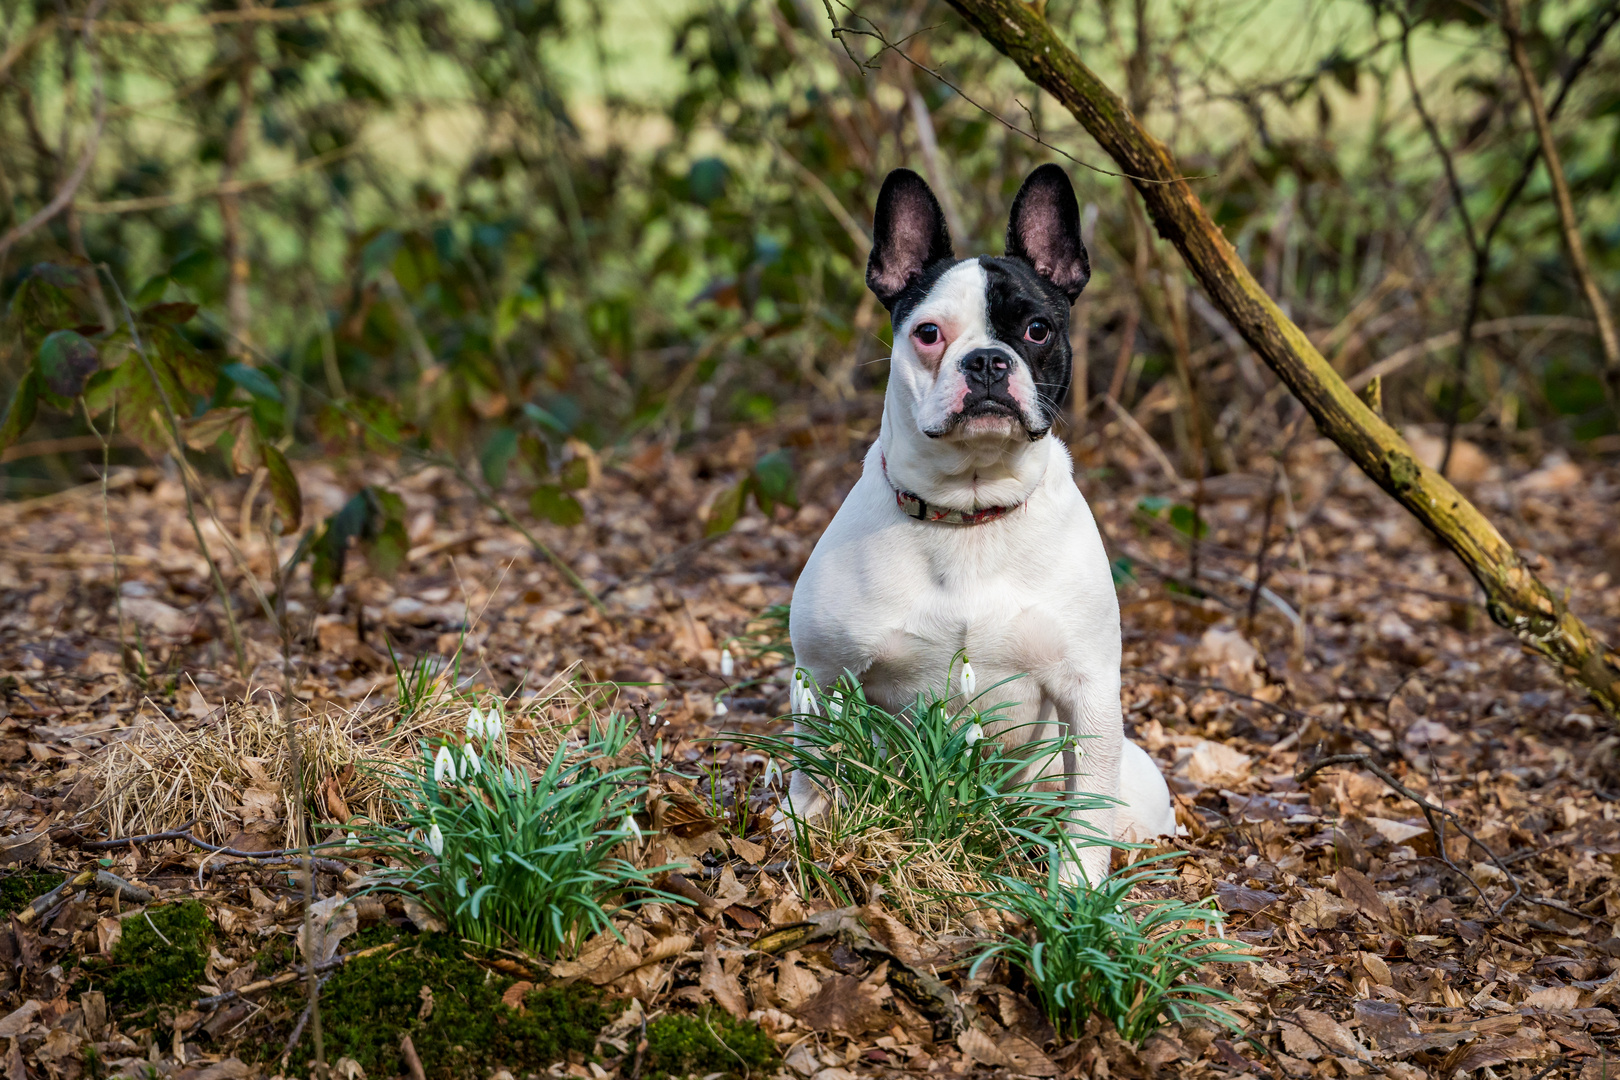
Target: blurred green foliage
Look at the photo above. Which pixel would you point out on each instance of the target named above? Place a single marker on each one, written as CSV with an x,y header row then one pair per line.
x,y
513,232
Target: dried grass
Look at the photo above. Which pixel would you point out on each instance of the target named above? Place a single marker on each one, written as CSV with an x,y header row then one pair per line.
x,y
230,773
931,884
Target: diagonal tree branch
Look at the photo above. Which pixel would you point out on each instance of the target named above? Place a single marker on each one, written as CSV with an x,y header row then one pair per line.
x,y
1515,597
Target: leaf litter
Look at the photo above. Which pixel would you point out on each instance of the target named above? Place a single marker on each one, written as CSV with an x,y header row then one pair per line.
x,y
1383,946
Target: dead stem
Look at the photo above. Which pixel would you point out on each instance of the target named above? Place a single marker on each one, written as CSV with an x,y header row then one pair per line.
x,y
177,448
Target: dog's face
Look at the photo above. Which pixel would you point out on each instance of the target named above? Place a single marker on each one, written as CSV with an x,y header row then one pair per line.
x,y
981,346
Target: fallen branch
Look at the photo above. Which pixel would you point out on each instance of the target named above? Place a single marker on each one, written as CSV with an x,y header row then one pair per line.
x,y
103,880
1516,598
286,977
185,834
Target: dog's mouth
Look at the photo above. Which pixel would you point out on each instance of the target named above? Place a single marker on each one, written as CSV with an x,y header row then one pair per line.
x,y
989,415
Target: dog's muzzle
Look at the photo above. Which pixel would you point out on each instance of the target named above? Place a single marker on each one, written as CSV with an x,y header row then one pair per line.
x,y
988,373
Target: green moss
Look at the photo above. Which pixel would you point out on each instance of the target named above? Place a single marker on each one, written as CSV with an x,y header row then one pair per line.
x,y
679,1045
159,958
369,1003
17,889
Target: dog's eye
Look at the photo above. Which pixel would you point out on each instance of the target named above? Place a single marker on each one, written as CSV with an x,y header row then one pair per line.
x,y
927,334
1038,332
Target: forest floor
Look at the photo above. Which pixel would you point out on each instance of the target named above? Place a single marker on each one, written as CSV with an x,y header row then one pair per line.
x,y
1382,949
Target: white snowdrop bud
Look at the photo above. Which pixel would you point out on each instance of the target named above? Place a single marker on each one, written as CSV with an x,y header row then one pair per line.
x,y
494,726
720,708
444,766
435,840
728,665
475,724
974,734
352,841
472,766
630,825
969,682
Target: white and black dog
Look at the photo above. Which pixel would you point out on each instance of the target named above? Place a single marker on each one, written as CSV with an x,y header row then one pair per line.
x,y
966,530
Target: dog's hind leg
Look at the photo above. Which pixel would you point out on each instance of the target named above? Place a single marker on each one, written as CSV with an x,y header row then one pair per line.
x,y
1146,811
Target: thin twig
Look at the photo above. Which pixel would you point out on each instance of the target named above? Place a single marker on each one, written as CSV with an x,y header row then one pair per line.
x,y
213,19
178,449
1571,229
1454,406
185,834
1436,815
885,45
288,976
231,187
1260,553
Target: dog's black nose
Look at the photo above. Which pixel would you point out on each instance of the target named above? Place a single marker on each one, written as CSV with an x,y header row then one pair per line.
x,y
986,367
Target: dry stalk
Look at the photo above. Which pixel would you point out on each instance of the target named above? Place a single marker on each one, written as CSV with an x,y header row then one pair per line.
x,y
112,541
185,483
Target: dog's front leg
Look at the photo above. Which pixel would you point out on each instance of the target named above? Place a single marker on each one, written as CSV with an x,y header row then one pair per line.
x,y
1094,737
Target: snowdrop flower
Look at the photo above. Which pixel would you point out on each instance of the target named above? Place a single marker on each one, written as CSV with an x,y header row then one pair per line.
x,y
728,665
969,681
475,724
806,702
974,734
494,726
352,841
773,771
720,707
444,766
435,840
472,766
630,825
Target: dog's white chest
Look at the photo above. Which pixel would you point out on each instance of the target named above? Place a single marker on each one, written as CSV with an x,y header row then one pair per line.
x,y
893,601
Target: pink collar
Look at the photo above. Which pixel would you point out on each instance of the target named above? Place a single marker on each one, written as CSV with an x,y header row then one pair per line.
x,y
915,506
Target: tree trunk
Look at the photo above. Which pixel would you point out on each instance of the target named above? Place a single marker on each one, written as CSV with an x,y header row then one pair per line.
x,y
1515,597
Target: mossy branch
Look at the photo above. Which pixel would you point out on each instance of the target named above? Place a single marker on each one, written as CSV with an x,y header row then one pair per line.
x,y
1514,596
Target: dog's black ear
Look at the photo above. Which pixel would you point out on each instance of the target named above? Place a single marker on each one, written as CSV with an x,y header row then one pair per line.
x,y
1044,230
908,235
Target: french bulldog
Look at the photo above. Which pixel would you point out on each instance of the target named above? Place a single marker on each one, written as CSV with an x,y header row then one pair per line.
x,y
966,532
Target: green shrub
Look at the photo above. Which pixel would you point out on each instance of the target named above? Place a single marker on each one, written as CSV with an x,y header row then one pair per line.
x,y
1095,950
710,1042
507,859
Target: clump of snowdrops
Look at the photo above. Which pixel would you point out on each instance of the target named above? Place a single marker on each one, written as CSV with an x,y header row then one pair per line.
x,y
507,858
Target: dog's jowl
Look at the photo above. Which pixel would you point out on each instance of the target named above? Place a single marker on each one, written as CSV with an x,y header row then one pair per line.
x,y
966,530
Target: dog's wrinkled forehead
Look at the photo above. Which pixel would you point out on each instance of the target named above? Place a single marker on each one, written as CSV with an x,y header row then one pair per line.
x,y
1005,293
